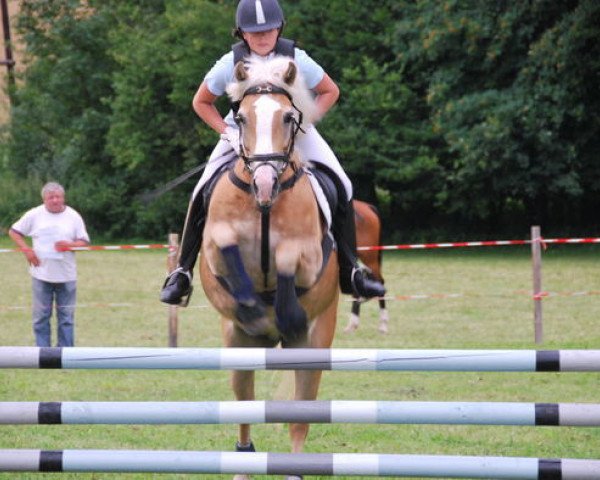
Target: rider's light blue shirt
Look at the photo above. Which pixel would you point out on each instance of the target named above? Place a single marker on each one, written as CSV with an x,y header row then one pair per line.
x,y
222,72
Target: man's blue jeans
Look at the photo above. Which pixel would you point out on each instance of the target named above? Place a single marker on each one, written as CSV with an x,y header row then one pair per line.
x,y
45,295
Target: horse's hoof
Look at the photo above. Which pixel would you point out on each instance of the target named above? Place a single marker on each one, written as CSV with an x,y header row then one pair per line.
x,y
294,477
353,323
383,321
253,318
256,328
293,324
241,477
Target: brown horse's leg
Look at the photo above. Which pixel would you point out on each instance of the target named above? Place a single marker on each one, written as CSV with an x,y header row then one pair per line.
x,y
354,319
290,317
383,316
242,383
251,311
307,381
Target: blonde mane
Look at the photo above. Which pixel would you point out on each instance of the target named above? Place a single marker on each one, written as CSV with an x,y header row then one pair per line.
x,y
272,70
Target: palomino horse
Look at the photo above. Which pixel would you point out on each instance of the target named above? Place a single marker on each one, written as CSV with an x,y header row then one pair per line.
x,y
368,234
263,265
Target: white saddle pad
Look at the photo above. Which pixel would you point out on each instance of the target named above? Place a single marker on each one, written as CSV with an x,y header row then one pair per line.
x,y
321,199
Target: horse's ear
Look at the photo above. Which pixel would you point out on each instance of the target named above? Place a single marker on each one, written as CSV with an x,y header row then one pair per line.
x,y
290,73
239,72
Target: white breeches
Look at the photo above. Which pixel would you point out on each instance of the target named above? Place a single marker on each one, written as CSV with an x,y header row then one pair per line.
x,y
311,146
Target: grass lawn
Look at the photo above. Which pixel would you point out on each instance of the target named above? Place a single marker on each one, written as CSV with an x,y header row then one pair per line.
x,y
118,306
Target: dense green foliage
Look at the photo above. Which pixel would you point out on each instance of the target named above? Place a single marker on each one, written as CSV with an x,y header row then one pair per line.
x,y
472,117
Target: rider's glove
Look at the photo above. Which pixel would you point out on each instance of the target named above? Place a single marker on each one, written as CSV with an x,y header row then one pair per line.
x,y
232,135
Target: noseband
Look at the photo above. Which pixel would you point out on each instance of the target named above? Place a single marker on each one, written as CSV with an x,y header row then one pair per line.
x,y
254,161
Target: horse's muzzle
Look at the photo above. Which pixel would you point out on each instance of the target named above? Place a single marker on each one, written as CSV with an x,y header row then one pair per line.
x,y
265,185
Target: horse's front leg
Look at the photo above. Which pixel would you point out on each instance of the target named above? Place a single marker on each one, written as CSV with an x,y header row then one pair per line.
x,y
308,381
250,311
290,317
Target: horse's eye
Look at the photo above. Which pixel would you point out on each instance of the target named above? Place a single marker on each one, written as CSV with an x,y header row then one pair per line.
x,y
288,117
239,119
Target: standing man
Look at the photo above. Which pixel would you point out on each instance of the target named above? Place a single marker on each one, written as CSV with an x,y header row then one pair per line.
x,y
54,228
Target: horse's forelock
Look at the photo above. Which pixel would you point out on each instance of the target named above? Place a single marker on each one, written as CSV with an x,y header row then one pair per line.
x,y
272,70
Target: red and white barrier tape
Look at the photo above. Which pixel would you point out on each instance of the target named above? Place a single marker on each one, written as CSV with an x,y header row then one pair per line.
x,y
103,247
486,243
121,247
413,246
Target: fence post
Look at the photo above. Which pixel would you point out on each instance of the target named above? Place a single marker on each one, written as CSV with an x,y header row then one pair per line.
x,y
536,255
171,265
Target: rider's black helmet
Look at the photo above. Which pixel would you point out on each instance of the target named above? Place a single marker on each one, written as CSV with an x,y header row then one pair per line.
x,y
258,15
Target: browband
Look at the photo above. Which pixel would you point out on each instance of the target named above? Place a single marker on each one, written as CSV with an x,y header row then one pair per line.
x,y
266,88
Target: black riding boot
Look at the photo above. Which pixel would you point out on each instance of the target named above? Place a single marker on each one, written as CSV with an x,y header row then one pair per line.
x,y
353,278
177,288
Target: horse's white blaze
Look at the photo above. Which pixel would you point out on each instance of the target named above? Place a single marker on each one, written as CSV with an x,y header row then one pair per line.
x,y
265,108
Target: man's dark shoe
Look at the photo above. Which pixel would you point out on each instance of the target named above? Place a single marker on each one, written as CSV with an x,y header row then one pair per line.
x,y
177,288
365,287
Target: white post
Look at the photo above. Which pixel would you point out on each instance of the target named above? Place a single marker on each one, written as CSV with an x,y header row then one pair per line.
x,y
171,265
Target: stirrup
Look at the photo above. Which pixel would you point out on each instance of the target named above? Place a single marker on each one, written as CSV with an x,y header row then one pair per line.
x,y
363,286
173,293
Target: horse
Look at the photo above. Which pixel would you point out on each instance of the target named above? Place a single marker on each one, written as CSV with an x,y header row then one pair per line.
x,y
368,234
264,263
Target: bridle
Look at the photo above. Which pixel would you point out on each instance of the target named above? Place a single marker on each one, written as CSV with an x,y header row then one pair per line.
x,y
251,163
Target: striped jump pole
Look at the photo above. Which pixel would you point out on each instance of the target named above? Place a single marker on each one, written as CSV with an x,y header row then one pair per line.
x,y
254,412
354,464
301,359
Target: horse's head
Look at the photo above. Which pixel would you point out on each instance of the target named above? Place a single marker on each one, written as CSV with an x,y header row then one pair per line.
x,y
274,104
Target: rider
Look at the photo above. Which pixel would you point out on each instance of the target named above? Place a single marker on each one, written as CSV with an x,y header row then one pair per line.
x,y
259,24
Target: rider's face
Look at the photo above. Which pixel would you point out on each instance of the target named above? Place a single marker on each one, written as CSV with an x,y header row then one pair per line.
x,y
261,43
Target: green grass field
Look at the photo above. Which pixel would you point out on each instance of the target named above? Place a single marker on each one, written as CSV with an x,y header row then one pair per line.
x,y
118,306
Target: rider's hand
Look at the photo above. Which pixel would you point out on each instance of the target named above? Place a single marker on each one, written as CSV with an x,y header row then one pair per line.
x,y
232,135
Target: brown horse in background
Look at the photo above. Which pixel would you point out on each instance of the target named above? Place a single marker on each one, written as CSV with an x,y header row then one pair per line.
x,y
263,265
368,234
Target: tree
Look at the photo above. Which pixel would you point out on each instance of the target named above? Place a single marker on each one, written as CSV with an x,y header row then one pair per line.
x,y
508,84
